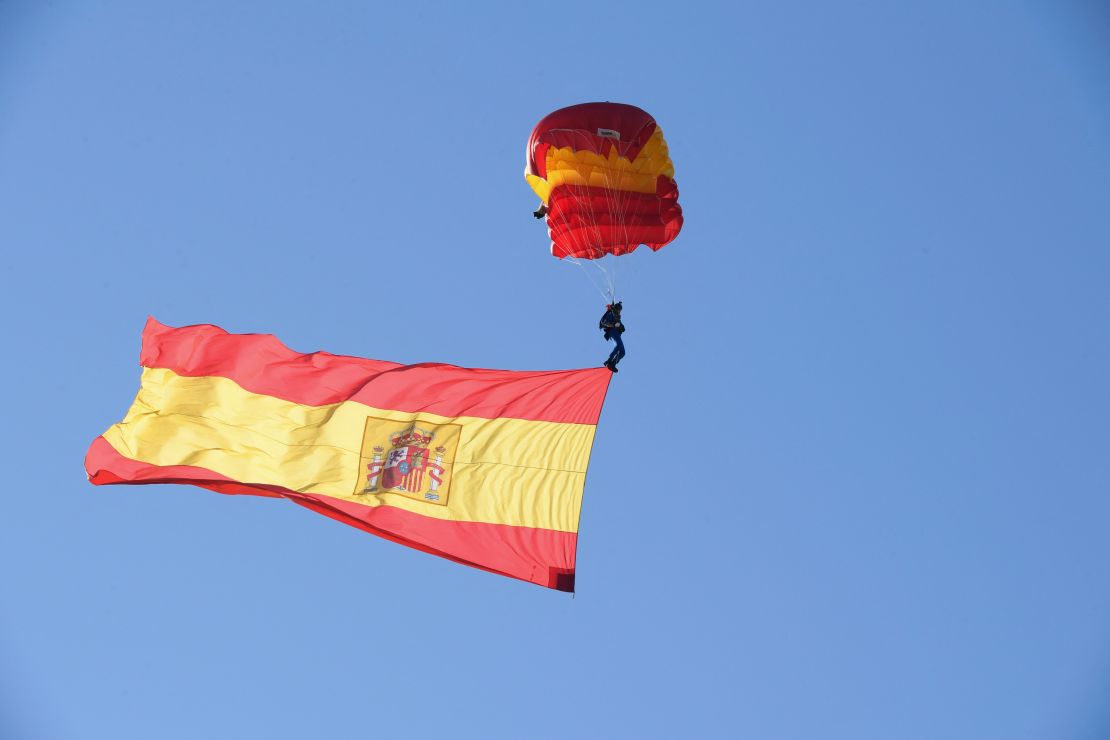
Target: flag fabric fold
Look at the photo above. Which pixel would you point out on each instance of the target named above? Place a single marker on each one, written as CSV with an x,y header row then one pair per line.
x,y
484,467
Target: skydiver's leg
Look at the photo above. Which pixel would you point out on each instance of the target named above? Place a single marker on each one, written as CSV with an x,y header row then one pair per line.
x,y
618,351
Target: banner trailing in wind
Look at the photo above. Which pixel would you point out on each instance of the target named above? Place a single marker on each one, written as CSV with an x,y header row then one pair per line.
x,y
484,467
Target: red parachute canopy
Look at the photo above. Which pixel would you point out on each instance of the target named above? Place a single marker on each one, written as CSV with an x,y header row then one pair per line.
x,y
604,172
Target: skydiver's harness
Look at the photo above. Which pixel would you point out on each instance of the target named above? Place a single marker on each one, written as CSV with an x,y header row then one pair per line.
x,y
609,323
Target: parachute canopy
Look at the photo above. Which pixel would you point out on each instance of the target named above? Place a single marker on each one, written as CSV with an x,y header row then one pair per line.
x,y
605,175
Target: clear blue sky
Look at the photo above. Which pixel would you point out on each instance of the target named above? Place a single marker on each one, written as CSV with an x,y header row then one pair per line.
x,y
852,482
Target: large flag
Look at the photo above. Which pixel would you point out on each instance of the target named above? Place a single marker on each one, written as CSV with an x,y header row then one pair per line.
x,y
484,467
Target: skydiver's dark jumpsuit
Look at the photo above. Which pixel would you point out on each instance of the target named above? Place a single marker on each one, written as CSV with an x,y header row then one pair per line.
x,y
613,328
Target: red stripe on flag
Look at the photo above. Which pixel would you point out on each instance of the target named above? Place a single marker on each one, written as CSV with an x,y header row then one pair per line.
x,y
260,363
542,556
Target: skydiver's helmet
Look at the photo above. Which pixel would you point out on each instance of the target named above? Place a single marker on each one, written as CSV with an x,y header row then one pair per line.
x,y
616,306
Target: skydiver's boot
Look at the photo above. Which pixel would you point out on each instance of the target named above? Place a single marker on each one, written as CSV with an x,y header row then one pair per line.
x,y
610,366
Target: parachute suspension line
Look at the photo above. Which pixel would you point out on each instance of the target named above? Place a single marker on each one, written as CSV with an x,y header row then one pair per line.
x,y
579,244
607,267
619,203
622,203
603,289
586,238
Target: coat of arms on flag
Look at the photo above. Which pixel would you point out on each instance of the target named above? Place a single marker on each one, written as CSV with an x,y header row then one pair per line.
x,y
412,459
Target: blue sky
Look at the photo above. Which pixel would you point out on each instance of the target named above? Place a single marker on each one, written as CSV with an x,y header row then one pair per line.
x,y
852,481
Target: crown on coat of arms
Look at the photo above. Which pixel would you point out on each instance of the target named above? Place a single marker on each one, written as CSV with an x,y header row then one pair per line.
x,y
412,437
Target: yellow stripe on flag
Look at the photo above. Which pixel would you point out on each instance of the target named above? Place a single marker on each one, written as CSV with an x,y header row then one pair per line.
x,y
498,471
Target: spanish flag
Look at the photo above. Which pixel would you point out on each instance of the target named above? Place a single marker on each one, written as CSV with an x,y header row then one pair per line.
x,y
484,467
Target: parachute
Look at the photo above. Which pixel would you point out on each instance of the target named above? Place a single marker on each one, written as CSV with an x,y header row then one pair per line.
x,y
604,173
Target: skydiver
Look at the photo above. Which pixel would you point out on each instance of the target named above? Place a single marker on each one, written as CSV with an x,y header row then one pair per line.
x,y
541,211
612,326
